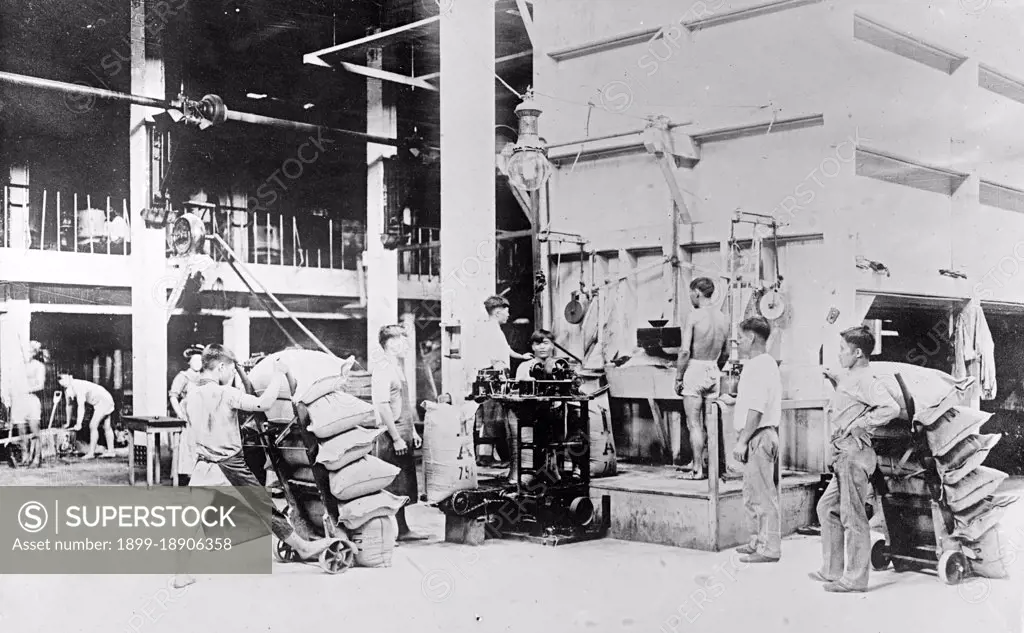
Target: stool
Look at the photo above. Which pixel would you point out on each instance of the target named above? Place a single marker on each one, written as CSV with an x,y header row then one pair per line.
x,y
153,427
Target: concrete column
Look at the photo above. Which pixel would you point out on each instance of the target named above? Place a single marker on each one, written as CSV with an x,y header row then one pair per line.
x,y
381,264
236,333
15,327
467,183
148,266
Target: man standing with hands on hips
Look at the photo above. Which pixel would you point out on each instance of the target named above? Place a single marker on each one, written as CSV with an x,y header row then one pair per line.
x,y
862,402
757,416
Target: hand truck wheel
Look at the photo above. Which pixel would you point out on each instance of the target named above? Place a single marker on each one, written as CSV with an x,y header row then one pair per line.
x,y
952,567
337,558
880,555
284,553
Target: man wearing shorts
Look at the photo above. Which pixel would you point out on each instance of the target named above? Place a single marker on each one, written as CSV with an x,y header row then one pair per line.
x,y
701,355
102,403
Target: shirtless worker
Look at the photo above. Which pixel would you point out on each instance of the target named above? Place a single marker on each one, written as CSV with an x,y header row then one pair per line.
x,y
84,392
703,352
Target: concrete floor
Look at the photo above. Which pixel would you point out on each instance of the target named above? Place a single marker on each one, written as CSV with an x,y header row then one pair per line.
x,y
510,586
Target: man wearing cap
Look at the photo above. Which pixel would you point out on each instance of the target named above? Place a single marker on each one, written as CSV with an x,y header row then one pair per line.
x,y
179,388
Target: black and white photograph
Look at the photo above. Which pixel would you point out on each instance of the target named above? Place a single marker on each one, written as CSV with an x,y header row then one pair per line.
x,y
644,316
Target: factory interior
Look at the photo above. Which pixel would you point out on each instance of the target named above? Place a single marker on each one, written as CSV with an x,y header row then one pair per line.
x,y
288,180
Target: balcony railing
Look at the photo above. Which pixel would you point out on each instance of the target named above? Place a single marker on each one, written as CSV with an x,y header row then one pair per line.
x,y
43,219
422,255
281,239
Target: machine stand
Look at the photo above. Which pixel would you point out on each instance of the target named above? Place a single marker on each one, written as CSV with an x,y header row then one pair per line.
x,y
464,530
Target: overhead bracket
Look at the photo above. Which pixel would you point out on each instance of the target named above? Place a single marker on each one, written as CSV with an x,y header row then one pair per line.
x,y
659,142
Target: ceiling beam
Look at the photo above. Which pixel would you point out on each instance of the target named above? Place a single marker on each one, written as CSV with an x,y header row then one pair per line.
x,y
524,12
497,61
316,57
374,73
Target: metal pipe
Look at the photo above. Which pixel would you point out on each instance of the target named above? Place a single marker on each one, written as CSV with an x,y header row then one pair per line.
x,y
60,86
305,330
243,117
605,137
259,119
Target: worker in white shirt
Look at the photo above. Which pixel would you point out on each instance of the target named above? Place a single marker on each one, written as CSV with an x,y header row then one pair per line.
x,y
495,353
757,416
492,339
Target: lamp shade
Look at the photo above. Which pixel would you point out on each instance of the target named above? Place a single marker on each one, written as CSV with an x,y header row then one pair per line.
x,y
528,168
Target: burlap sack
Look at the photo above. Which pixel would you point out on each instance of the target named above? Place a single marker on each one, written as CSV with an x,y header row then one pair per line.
x,y
981,523
449,461
991,561
354,514
338,412
365,477
305,366
282,411
965,457
963,520
376,541
973,488
347,448
953,427
321,388
603,461
934,392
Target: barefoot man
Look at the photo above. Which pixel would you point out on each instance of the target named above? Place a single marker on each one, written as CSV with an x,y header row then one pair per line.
x,y
698,369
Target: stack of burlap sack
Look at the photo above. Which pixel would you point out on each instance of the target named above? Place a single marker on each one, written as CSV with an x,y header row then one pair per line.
x,y
347,430
959,448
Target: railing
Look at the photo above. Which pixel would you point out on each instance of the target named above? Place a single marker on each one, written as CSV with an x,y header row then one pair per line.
x,y
280,239
41,219
308,241
422,256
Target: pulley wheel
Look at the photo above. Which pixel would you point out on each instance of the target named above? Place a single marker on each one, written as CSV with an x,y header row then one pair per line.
x,y
460,503
214,109
582,509
575,312
771,305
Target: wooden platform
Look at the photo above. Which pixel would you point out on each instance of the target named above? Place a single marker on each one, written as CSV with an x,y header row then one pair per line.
x,y
652,504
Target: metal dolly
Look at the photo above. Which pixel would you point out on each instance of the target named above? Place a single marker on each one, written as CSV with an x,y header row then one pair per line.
x,y
919,526
263,439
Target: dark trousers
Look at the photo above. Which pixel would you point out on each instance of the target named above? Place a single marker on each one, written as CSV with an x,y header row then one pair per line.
x,y
241,477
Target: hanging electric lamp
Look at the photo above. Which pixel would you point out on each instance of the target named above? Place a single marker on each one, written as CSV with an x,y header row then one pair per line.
x,y
528,166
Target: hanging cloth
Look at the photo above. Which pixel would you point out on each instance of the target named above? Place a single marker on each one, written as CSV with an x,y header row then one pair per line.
x,y
974,352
